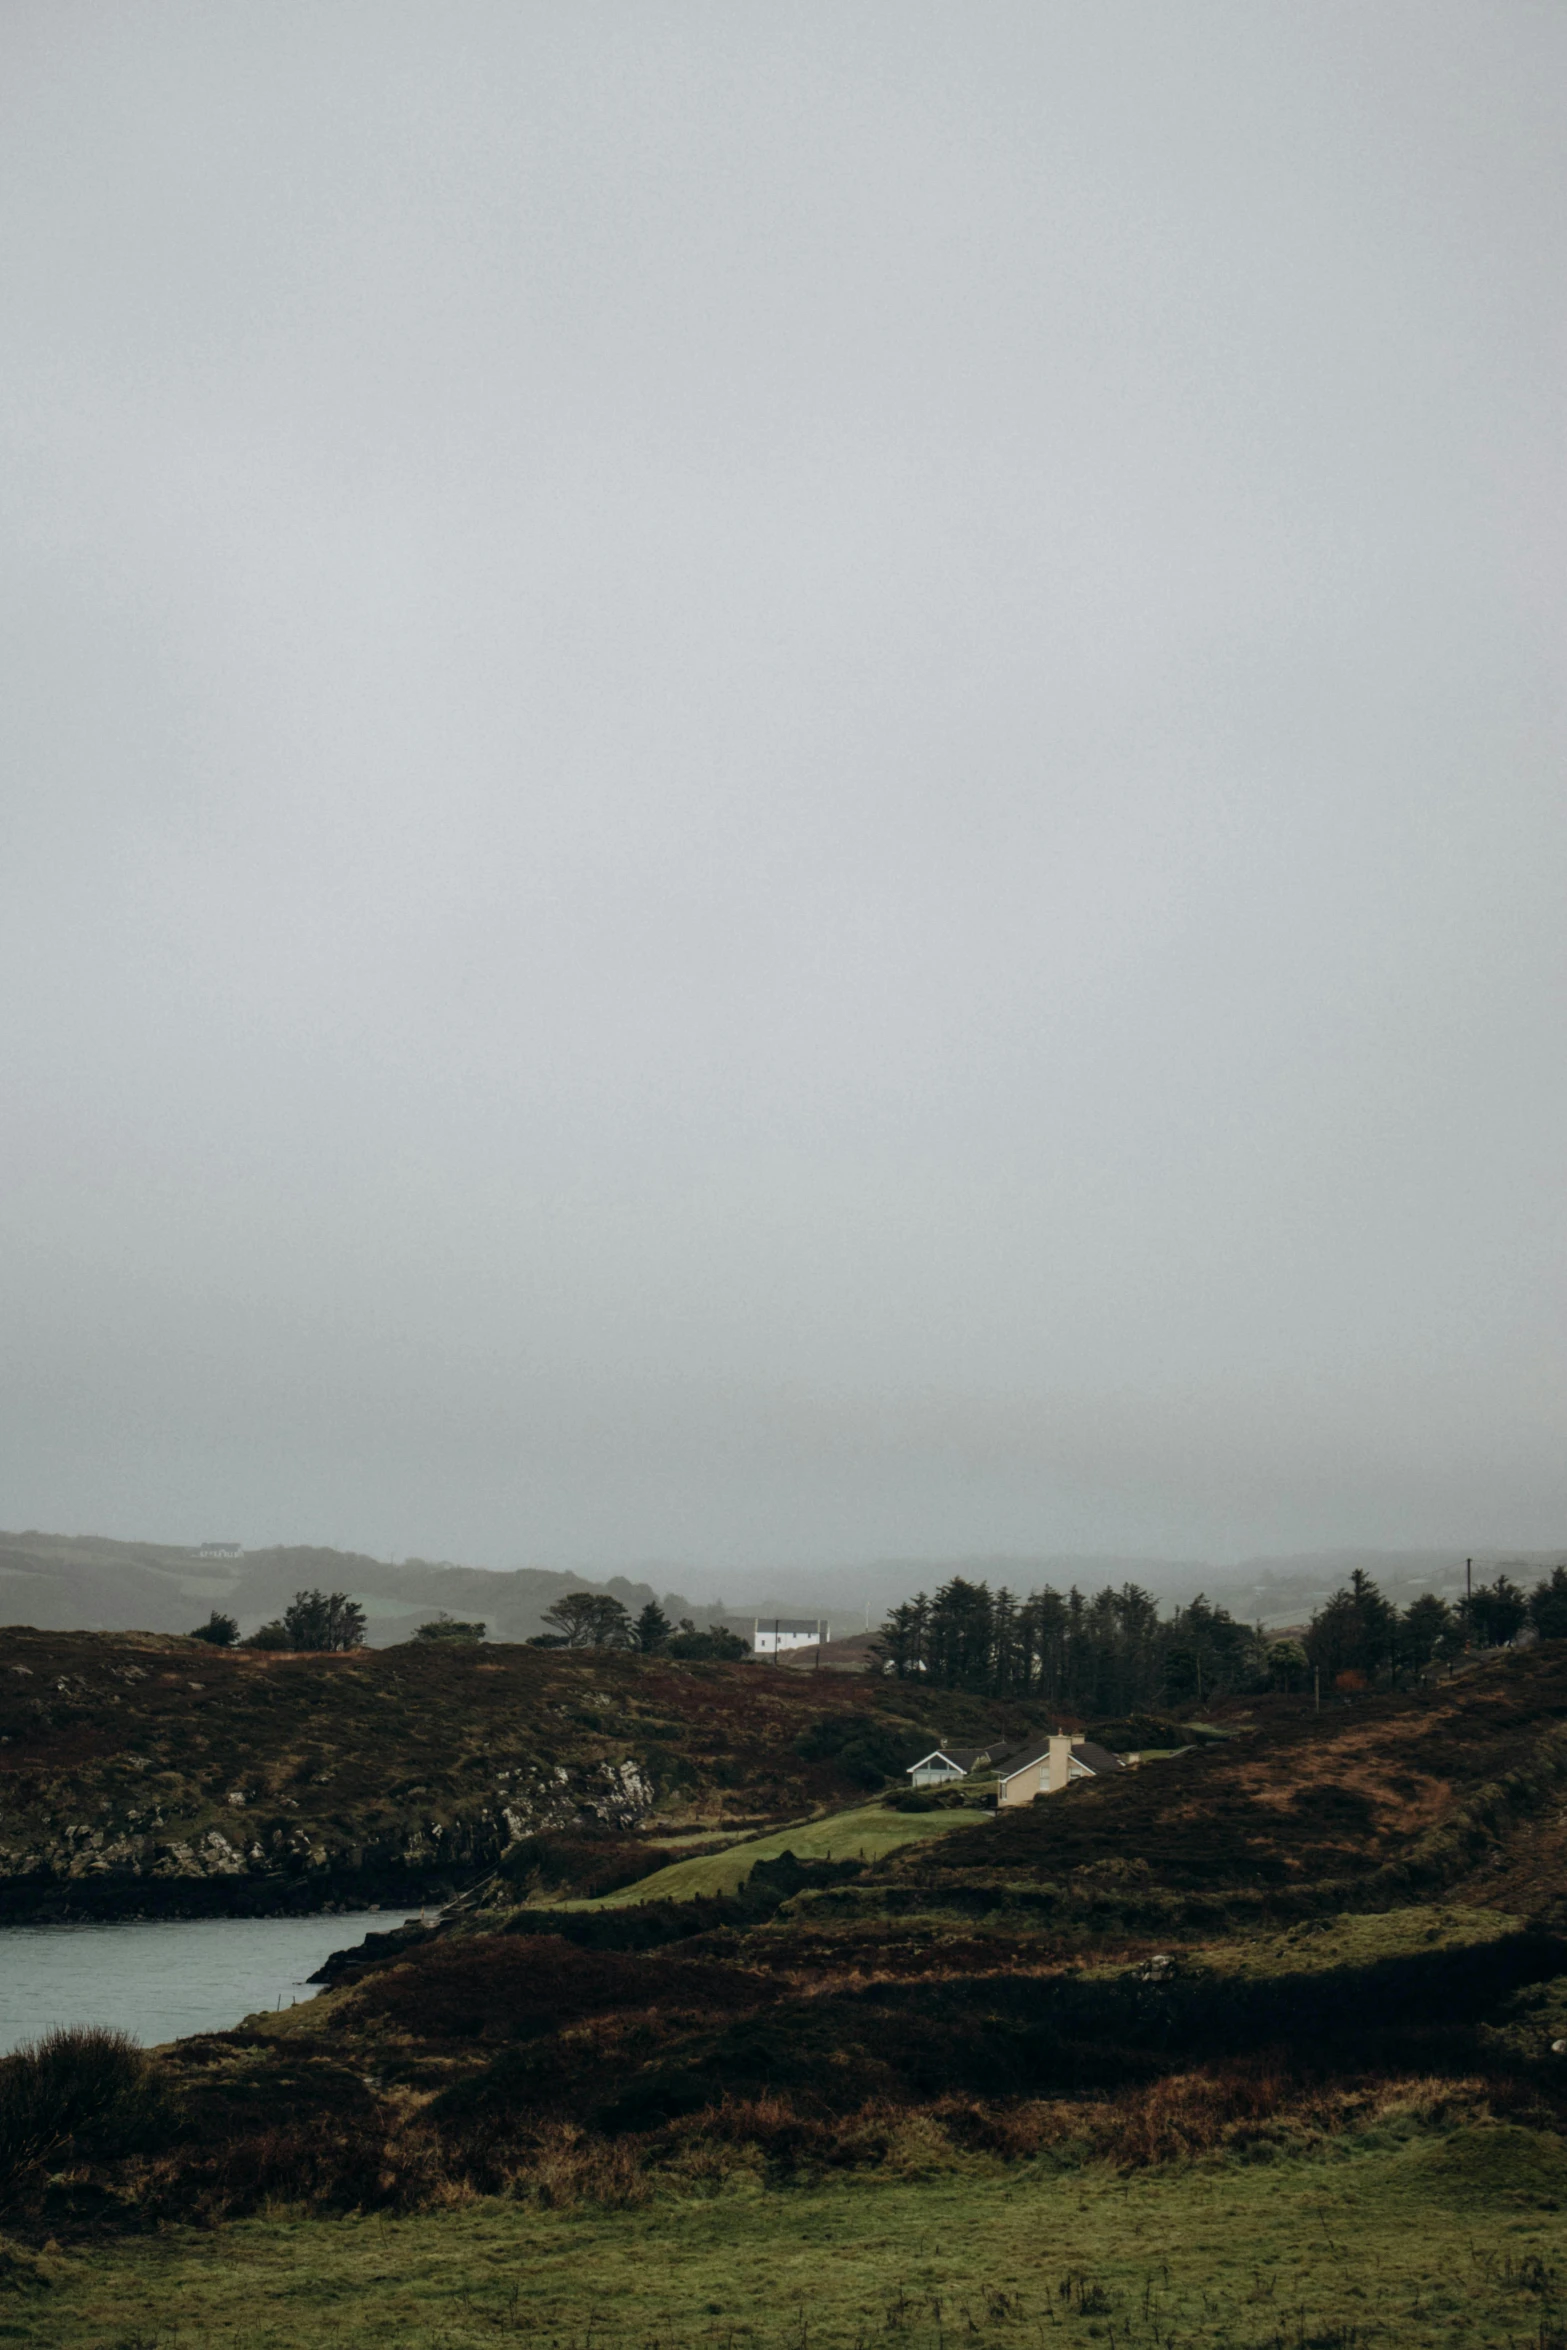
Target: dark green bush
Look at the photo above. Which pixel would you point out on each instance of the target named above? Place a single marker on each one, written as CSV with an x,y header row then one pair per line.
x,y
651,1629
82,2093
864,1749
445,1627
324,1620
714,1646
273,1635
219,1631
1548,1605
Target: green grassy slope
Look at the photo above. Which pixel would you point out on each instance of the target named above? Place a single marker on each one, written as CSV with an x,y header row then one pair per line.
x,y
864,1832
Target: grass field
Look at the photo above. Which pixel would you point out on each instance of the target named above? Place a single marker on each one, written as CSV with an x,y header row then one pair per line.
x,y
1436,2240
866,1833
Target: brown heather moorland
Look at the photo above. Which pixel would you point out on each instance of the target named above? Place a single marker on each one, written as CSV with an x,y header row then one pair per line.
x,y
1256,2045
1272,1934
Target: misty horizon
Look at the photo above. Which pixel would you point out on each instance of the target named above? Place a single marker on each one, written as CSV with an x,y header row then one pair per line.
x,y
784,786
79,1572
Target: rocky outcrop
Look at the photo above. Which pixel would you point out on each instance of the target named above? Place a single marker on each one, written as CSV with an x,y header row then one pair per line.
x,y
158,1866
139,1773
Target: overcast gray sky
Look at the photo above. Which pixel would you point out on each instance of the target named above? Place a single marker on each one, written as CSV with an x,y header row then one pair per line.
x,y
783,782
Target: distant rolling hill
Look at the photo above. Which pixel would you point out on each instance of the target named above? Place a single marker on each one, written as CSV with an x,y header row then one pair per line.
x,y
86,1583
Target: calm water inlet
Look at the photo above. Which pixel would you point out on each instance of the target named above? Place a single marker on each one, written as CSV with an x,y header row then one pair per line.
x,y
160,1979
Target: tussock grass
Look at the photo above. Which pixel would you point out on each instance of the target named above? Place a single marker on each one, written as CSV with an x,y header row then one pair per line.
x,y
406,2154
1360,2248
1356,1939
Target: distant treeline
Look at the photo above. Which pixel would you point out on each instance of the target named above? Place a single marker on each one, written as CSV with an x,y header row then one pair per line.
x,y
330,1620
1115,1653
1111,1654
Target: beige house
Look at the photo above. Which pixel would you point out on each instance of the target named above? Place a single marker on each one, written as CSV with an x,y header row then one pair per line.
x,y
1048,1767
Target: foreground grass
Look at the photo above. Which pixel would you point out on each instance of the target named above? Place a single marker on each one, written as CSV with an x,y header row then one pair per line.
x,y
865,1833
1459,2239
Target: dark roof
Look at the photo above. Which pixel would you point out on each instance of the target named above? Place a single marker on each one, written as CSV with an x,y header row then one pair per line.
x,y
1093,1758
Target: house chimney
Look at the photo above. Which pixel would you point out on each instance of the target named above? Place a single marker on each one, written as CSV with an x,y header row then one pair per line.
x,y
1059,1768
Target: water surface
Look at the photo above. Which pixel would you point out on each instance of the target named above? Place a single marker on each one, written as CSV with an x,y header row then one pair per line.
x,y
159,1979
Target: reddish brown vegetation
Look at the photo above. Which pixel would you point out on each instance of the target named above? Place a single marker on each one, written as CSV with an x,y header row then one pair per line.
x,y
496,1987
1299,1799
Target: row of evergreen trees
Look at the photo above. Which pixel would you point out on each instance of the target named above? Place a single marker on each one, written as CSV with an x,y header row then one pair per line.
x,y
1115,1654
1111,1654
1361,1635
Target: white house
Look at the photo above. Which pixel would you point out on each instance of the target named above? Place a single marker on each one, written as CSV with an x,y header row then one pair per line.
x,y
776,1635
1044,1769
220,1550
946,1762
